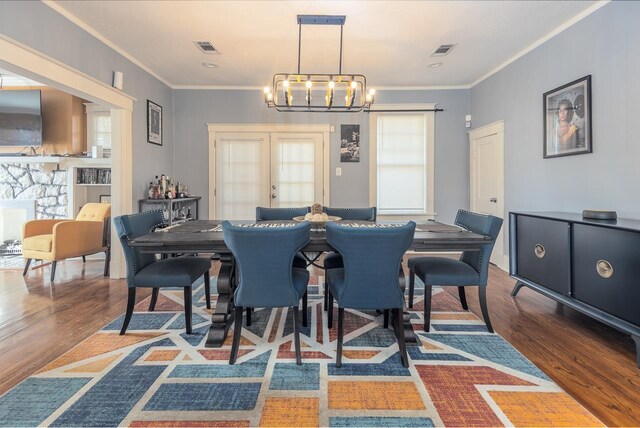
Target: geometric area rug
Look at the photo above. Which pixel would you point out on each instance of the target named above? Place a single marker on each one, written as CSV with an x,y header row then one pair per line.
x,y
158,376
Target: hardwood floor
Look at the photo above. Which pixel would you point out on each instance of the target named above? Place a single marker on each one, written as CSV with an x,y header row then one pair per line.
x,y
593,363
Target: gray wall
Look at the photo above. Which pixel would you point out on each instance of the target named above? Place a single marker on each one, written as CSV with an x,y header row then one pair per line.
x,y
195,108
41,28
606,45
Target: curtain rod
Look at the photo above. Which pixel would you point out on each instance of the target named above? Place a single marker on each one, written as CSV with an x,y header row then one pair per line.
x,y
403,111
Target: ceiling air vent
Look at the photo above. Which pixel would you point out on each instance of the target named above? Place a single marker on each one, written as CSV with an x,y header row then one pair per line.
x,y
443,50
207,47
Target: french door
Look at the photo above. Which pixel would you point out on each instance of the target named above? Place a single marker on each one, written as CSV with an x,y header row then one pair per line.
x,y
269,169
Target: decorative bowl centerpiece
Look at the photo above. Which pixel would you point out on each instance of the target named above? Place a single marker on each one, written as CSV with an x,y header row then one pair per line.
x,y
317,217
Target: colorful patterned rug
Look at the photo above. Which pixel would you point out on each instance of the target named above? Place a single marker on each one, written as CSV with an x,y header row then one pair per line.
x,y
156,375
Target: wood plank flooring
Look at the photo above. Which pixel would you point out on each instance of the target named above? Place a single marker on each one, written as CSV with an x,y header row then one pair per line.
x,y
593,363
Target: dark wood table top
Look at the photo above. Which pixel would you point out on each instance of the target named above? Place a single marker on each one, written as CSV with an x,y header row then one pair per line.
x,y
205,236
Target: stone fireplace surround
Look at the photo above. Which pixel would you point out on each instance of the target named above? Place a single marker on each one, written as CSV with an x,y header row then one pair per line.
x,y
44,183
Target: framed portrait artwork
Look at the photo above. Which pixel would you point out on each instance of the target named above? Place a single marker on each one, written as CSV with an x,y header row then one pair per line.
x,y
350,143
105,199
567,119
154,123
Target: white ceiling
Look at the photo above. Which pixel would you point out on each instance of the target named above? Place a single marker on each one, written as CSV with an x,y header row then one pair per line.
x,y
391,42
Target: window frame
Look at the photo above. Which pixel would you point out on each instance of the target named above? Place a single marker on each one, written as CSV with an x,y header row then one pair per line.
x,y
429,212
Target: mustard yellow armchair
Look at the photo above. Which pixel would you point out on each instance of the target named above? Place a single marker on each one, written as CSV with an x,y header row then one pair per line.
x,y
54,240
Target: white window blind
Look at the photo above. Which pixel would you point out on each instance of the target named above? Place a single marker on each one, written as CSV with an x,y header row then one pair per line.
x,y
295,169
403,163
102,129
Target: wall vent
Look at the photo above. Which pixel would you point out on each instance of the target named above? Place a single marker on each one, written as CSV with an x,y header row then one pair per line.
x,y
207,47
443,50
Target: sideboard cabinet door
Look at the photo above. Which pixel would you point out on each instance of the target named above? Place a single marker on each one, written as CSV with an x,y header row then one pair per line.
x,y
606,265
543,252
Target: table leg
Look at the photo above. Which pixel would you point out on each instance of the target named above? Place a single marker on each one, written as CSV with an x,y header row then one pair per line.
x,y
222,318
409,335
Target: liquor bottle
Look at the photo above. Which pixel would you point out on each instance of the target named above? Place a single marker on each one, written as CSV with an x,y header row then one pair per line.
x,y
163,185
188,213
150,190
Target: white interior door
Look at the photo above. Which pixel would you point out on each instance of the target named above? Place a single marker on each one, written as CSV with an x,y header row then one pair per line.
x,y
296,169
487,178
242,174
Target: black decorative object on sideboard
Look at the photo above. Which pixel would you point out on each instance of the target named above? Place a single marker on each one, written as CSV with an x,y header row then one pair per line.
x,y
592,266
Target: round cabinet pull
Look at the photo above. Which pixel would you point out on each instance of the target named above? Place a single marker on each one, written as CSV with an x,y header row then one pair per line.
x,y
539,250
604,268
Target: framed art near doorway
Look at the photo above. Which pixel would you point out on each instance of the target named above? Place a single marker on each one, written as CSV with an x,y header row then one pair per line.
x,y
567,119
154,123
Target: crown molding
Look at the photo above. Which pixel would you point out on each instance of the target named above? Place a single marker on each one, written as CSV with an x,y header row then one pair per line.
x,y
568,23
89,29
260,88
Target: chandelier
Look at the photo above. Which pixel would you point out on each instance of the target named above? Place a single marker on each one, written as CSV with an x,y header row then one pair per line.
x,y
319,92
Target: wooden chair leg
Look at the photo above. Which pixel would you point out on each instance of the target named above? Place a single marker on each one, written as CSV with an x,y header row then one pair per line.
x,y
399,330
463,298
427,307
296,335
482,293
304,308
131,303
154,299
249,310
207,289
412,283
237,333
107,261
340,336
330,310
326,296
53,270
386,318
84,259
27,262
187,308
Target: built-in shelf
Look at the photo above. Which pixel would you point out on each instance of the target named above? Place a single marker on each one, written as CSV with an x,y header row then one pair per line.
x,y
93,184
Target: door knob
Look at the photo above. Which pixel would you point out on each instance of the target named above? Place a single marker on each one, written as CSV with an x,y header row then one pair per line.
x,y
273,196
273,186
494,199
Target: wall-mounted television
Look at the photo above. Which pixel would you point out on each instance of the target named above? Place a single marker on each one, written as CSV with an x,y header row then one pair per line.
x,y
20,118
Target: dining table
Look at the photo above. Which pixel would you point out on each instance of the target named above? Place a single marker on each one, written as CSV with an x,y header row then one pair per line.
x,y
206,237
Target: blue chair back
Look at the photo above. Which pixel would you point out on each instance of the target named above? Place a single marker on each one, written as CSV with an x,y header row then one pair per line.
x,y
484,225
372,260
264,259
264,214
130,227
364,214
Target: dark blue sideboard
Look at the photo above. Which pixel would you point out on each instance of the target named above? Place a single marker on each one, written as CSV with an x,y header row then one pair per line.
x,y
592,266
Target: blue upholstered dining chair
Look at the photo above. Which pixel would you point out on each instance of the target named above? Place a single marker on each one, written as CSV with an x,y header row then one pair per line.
x,y
272,214
333,260
266,275
472,269
145,270
371,277
299,261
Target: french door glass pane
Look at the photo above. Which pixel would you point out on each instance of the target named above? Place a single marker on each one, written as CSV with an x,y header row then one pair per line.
x,y
295,171
240,175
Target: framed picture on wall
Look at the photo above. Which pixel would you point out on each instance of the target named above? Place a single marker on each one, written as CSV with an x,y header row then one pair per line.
x,y
154,123
105,199
567,119
350,143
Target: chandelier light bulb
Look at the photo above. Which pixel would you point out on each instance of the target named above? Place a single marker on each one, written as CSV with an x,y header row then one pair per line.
x,y
354,84
309,84
267,90
269,96
372,92
332,84
285,83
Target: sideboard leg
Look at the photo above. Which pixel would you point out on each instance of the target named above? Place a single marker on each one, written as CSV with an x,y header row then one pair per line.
x,y
223,317
637,340
517,288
